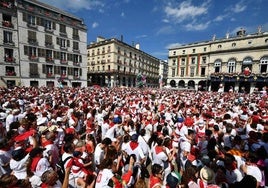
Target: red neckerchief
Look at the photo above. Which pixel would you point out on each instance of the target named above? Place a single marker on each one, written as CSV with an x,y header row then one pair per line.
x,y
133,145
35,161
45,143
158,149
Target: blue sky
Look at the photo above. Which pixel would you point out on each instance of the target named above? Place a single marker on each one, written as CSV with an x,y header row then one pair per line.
x,y
158,25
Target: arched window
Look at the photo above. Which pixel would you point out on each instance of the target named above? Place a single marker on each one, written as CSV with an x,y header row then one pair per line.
x,y
231,66
263,64
247,62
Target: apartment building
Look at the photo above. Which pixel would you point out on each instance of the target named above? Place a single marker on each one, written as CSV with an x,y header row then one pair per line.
x,y
237,62
41,46
112,62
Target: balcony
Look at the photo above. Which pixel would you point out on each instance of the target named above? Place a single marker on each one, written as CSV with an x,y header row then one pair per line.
x,y
49,60
76,63
63,48
7,4
76,37
9,43
10,60
34,75
10,73
76,50
50,75
49,45
48,30
32,25
76,77
62,61
6,23
33,42
63,34
33,58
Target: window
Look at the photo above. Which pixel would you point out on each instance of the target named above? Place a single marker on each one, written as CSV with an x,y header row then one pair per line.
x,y
204,60
32,37
219,46
231,66
32,51
49,54
174,62
182,61
193,50
250,42
247,62
174,52
217,66
193,60
234,44
48,25
8,37
183,51
203,71
266,40
62,28
75,34
48,40
31,20
75,45
263,64
192,71
63,56
33,69
173,72
182,72
205,49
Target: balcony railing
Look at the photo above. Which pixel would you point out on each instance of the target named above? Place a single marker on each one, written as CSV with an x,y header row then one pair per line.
x,y
10,73
7,24
33,58
63,48
76,37
10,59
49,45
9,42
50,75
33,42
32,25
34,75
63,61
49,30
76,63
49,60
76,77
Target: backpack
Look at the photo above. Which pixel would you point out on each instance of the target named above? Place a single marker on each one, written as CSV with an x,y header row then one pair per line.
x,y
60,168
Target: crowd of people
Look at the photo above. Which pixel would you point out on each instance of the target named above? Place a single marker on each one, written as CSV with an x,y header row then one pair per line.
x,y
132,138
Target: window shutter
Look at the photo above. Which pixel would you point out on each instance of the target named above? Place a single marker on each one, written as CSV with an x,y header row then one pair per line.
x,y
80,72
68,43
24,17
54,25
44,69
26,50
58,40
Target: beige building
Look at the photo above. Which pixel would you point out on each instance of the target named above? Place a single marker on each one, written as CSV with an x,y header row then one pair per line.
x,y
239,63
111,62
41,46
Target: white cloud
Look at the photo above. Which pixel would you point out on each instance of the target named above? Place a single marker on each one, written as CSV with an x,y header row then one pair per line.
x,y
197,27
185,11
95,24
239,7
122,14
173,45
141,36
165,30
74,5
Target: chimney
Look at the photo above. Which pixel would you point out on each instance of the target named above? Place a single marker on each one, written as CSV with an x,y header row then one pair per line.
x,y
121,38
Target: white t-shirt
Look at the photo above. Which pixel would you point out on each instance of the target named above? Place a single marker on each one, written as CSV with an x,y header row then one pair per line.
x,y
103,178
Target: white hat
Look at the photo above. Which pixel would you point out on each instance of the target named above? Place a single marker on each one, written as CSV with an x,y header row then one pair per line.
x,y
3,115
41,120
207,174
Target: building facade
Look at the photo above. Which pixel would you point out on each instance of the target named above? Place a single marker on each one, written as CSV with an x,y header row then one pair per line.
x,y
41,46
163,73
111,62
239,63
